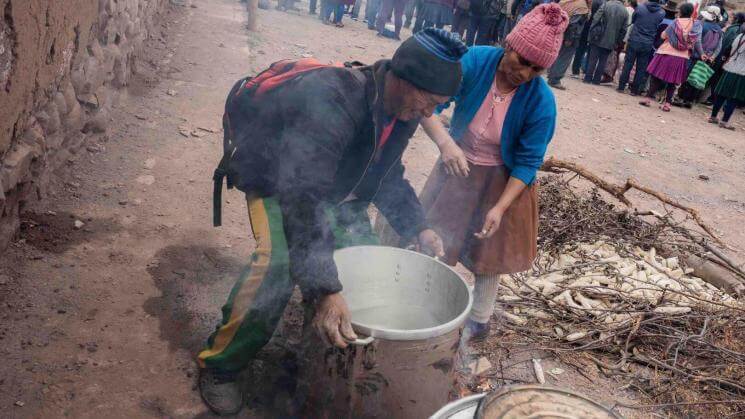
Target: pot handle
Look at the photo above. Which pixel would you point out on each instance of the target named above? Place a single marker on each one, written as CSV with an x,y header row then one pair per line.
x,y
363,342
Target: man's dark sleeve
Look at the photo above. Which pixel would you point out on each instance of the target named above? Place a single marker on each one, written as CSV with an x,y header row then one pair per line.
x,y
398,202
313,141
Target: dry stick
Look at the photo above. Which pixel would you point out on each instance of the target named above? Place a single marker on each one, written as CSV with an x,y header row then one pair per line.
x,y
725,258
645,360
618,191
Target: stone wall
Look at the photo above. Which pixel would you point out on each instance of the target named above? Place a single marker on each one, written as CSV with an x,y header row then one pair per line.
x,y
61,65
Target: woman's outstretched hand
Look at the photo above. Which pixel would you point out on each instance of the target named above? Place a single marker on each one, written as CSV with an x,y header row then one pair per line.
x,y
491,223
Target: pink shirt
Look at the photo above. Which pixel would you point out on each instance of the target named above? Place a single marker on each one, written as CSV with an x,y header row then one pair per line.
x,y
483,138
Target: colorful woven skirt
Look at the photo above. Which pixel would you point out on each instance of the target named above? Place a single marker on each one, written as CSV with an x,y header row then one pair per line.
x,y
731,86
669,68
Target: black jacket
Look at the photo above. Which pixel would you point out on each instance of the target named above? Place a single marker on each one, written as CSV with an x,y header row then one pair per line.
x,y
313,143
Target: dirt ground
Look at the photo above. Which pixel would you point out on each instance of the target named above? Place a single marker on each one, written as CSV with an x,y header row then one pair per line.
x,y
104,319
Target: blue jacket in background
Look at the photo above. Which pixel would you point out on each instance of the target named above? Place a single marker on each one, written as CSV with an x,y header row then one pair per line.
x,y
646,19
530,121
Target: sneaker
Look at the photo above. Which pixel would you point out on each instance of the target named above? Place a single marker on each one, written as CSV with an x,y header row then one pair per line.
x,y
220,391
474,330
726,125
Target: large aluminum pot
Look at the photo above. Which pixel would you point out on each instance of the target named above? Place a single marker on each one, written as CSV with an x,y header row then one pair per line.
x,y
399,294
408,310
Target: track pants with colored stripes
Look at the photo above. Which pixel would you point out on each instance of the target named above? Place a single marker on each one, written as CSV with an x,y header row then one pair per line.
x,y
257,301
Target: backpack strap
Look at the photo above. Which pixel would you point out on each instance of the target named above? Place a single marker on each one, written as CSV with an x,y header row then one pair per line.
x,y
222,172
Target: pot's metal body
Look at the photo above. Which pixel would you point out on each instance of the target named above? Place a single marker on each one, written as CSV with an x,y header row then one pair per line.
x,y
399,373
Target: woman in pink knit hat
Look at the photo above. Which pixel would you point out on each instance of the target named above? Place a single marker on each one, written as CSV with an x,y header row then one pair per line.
x,y
481,196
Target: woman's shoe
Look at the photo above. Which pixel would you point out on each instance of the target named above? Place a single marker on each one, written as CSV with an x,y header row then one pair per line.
x,y
713,120
645,102
726,125
665,107
474,330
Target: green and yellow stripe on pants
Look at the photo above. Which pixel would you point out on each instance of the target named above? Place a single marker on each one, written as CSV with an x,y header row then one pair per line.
x,y
258,299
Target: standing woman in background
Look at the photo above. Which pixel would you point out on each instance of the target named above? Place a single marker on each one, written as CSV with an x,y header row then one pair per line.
x,y
730,91
669,67
481,195
738,24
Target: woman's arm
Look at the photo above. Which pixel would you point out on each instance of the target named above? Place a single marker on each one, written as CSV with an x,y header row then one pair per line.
x,y
493,218
450,153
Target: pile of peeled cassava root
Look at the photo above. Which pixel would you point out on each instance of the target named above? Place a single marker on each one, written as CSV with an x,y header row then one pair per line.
x,y
607,285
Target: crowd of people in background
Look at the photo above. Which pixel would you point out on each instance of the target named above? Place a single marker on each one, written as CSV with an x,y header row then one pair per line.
x,y
677,54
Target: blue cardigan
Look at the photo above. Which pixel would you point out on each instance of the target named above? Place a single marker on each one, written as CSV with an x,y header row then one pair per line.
x,y
530,121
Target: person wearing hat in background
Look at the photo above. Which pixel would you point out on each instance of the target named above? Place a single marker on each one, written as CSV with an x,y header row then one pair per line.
x,y
607,32
669,67
481,196
711,44
671,11
314,149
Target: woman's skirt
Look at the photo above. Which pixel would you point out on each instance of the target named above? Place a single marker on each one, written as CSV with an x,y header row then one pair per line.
x,y
731,86
669,68
437,13
456,211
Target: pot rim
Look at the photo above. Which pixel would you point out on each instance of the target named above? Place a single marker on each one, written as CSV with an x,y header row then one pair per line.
x,y
457,406
415,334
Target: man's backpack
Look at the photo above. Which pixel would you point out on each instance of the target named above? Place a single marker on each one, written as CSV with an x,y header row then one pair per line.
x,y
276,75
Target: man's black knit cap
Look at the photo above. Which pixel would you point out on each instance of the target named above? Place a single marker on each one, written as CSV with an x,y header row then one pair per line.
x,y
430,60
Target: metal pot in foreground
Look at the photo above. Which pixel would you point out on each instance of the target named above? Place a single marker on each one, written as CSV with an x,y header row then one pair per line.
x,y
526,401
408,310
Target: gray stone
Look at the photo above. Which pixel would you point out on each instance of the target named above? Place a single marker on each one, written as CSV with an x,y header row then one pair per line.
x,y
49,118
16,165
89,99
68,91
74,120
61,103
103,96
99,123
79,82
34,136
